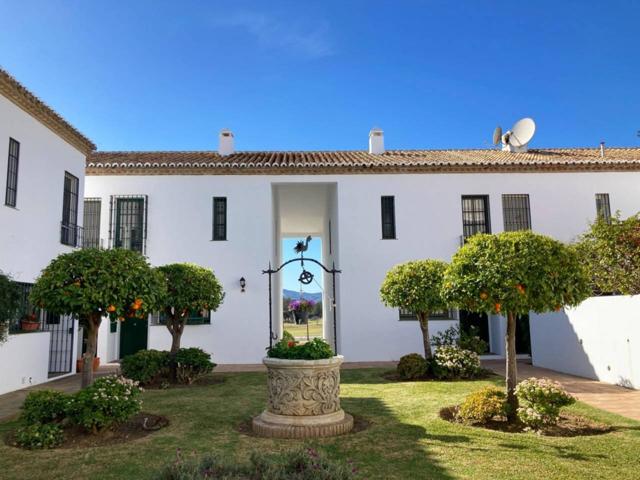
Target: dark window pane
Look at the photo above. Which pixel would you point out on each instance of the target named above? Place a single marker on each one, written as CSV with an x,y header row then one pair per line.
x,y
11,192
219,218
516,212
475,215
603,208
388,217
69,227
91,222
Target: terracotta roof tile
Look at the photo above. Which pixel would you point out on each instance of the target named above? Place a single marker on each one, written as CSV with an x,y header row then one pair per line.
x,y
23,98
393,161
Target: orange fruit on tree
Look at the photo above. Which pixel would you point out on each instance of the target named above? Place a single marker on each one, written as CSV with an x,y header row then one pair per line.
x,y
111,308
498,307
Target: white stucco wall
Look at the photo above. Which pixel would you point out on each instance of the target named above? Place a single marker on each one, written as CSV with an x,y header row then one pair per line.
x,y
599,339
25,360
30,232
428,225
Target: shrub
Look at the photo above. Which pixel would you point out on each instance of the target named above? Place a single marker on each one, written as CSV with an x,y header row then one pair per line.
x,y
315,349
192,363
45,406
541,400
39,435
483,405
303,464
412,367
451,362
146,366
9,303
467,340
108,401
611,255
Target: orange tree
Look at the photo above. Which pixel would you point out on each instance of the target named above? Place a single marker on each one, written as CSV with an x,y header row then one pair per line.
x,y
189,287
91,284
416,286
513,273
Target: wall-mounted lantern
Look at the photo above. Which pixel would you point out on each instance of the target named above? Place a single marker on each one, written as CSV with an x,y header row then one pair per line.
x,y
243,284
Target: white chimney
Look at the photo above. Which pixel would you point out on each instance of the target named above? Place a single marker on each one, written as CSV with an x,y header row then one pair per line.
x,y
225,142
376,141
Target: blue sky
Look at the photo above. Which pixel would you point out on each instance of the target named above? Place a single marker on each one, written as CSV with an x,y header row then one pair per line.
x,y
167,75
291,272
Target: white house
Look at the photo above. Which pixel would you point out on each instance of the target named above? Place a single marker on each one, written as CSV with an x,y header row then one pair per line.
x,y
230,210
42,164
372,209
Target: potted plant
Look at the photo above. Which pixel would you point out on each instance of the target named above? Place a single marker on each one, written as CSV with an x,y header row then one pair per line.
x,y
29,322
301,308
94,365
304,392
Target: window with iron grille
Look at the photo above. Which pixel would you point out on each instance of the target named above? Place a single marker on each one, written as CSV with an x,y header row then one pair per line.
x,y
388,218
219,218
91,222
128,223
69,227
516,212
603,208
11,192
437,315
475,215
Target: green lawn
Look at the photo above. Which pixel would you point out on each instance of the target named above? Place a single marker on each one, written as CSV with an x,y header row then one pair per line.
x,y
406,439
300,331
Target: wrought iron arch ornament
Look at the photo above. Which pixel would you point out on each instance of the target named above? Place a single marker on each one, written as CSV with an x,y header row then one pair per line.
x,y
332,271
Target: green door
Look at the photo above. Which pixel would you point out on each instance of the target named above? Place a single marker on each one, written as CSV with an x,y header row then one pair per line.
x,y
133,336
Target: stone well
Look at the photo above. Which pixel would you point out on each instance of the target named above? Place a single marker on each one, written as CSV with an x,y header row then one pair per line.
x,y
304,400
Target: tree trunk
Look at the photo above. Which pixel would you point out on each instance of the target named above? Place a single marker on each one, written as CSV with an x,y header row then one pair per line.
x,y
92,325
423,320
511,367
176,327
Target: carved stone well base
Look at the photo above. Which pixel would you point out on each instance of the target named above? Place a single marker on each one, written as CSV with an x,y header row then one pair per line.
x,y
288,426
304,400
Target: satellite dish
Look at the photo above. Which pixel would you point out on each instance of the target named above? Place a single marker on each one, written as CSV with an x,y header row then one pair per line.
x,y
497,135
522,132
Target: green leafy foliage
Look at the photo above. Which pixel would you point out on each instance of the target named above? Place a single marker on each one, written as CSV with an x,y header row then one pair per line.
x,y
118,283
541,400
412,367
45,406
515,272
108,401
483,405
9,303
39,435
315,349
149,367
467,340
611,253
415,286
301,464
452,362
192,363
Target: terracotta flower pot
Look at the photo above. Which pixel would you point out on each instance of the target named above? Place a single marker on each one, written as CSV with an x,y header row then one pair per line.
x,y
80,363
29,325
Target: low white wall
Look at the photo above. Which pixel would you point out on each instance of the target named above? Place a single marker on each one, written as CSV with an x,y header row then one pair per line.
x,y
25,361
599,339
